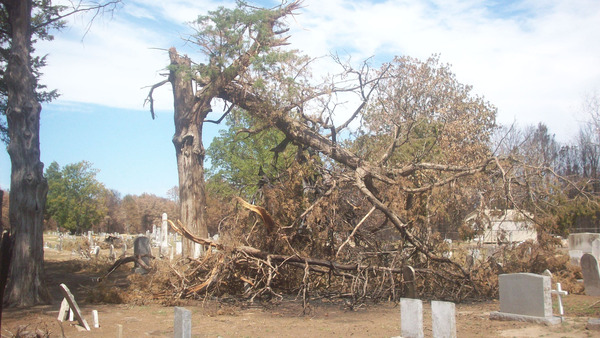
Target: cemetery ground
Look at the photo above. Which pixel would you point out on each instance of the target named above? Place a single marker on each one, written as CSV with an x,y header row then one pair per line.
x,y
233,318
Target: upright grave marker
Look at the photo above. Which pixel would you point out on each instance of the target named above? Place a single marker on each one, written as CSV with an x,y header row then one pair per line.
x,y
411,318
525,297
182,323
591,274
164,233
443,319
141,247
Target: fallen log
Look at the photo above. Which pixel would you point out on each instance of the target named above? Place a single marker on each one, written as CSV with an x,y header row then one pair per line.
x,y
125,260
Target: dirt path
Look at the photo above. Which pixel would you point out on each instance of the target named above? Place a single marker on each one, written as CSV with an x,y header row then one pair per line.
x,y
326,319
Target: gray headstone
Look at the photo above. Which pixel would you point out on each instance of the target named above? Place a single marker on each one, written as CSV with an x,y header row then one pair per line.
x,y
525,297
443,319
141,246
182,323
411,318
591,275
469,261
408,274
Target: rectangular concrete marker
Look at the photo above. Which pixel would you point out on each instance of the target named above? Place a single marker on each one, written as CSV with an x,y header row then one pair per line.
x,y
73,305
411,318
525,297
182,323
95,316
443,319
63,313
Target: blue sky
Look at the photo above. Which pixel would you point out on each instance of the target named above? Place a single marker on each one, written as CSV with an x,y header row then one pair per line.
x,y
535,60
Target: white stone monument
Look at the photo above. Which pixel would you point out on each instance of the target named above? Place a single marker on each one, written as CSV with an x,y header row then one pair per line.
x,y
411,317
443,319
164,233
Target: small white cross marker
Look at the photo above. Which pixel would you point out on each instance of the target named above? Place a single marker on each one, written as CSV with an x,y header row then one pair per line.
x,y
559,292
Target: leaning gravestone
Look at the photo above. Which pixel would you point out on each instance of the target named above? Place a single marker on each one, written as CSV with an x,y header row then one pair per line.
x,y
408,274
141,246
525,297
591,275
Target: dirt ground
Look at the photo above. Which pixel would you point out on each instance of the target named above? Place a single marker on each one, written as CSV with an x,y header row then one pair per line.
x,y
218,319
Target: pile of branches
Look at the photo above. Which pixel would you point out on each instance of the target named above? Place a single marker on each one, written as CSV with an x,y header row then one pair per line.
x,y
253,274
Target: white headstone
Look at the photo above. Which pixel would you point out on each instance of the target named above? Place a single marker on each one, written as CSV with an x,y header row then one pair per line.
x,y
182,323
591,275
411,318
525,297
95,316
198,250
596,248
582,241
164,232
575,256
111,254
443,319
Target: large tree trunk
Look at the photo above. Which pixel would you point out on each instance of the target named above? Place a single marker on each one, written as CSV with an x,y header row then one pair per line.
x,y
189,117
28,186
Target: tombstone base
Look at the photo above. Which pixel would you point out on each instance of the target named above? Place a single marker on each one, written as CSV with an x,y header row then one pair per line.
x,y
593,324
496,315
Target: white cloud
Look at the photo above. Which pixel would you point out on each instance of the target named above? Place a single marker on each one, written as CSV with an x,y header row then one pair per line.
x,y
535,63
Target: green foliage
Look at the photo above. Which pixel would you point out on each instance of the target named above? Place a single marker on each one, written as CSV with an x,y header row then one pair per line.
x,y
42,23
75,197
240,157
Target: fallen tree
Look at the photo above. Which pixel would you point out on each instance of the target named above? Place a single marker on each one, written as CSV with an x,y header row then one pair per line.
x,y
420,156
